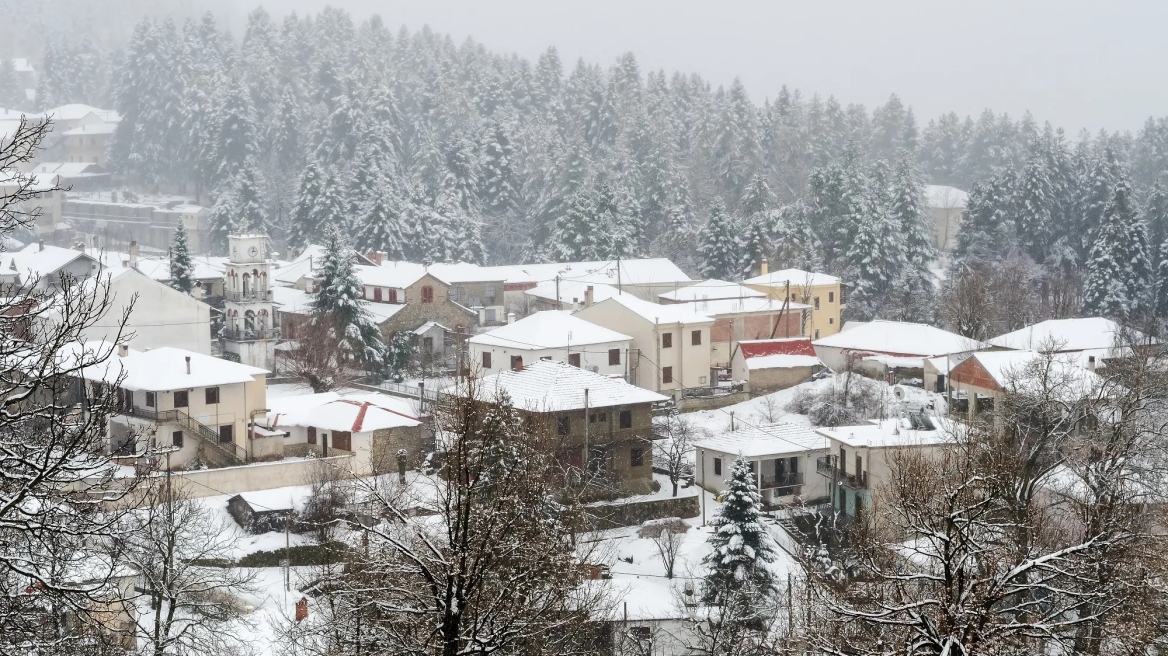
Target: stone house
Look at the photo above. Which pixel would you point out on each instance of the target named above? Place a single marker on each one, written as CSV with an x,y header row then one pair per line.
x,y
589,420
768,365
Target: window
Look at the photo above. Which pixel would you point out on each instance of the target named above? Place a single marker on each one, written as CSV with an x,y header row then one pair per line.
x,y
227,433
180,400
831,297
212,394
695,338
816,302
831,321
563,425
393,296
667,340
601,417
150,403
626,418
343,440
492,315
486,360
427,294
636,457
517,362
428,344
613,357
667,374
176,439
377,294
490,293
574,359
312,435
717,466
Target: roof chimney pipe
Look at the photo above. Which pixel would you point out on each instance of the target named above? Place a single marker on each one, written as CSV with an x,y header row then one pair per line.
x,y
510,317
589,296
40,245
133,254
763,267
1090,363
123,350
188,364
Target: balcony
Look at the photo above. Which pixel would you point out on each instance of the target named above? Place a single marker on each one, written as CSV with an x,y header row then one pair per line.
x,y
250,335
828,468
250,296
789,479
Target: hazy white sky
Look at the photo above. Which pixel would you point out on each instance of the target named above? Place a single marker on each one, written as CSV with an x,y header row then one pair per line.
x,y
1076,63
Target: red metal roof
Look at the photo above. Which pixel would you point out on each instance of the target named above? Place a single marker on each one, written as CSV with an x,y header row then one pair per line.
x,y
792,346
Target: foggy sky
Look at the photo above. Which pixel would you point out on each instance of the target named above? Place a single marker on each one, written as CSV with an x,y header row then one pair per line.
x,y
1077,63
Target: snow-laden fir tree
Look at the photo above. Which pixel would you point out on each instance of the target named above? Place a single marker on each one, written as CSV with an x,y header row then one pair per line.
x,y
576,236
875,262
252,209
330,209
915,291
987,231
380,228
397,356
224,215
338,307
756,241
181,267
740,547
719,245
303,229
1119,276
470,242
1033,208
795,244
1096,190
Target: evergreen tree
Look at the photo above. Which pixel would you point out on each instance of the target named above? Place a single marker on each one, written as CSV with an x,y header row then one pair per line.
x,y
224,215
915,290
397,356
795,245
576,237
11,95
181,267
1119,276
470,242
380,228
1034,209
237,139
875,262
304,229
252,214
740,546
339,307
719,244
499,183
987,229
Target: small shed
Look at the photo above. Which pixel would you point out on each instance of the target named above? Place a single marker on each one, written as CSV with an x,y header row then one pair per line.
x,y
768,365
259,518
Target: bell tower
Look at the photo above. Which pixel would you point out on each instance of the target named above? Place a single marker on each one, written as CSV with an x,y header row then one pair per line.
x,y
248,327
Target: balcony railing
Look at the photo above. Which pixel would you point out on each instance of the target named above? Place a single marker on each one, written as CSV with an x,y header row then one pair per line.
x,y
250,295
209,435
781,480
254,334
827,467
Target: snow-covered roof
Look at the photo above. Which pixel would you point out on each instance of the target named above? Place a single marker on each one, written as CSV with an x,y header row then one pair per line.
x,y
571,291
944,197
551,329
350,412
747,306
39,261
1010,370
667,314
1068,335
77,111
22,65
38,181
429,325
778,353
69,169
165,368
458,272
648,271
900,338
897,432
710,290
797,278
765,440
396,275
549,386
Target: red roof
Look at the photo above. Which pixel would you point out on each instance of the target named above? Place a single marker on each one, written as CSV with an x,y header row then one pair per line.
x,y
791,346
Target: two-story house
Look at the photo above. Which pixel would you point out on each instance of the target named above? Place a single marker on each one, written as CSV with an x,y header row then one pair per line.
x,y
551,335
822,292
859,458
180,407
781,455
589,420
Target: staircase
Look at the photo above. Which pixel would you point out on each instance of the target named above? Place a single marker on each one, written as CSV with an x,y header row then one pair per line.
x,y
229,452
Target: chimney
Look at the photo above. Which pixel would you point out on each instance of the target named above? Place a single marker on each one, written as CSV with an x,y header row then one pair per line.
x,y
133,254
510,317
384,255
589,296
763,267
1090,363
374,257
123,350
79,247
188,364
40,245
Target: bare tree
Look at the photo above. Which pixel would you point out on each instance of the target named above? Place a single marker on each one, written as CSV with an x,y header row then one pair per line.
x,y
676,449
966,306
666,535
496,569
55,476
188,586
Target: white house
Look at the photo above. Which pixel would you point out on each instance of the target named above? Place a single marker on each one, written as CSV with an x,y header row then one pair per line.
x,y
781,455
160,315
877,347
1090,335
372,427
710,290
551,335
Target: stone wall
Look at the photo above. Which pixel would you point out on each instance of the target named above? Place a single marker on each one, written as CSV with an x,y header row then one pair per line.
x,y
695,403
614,515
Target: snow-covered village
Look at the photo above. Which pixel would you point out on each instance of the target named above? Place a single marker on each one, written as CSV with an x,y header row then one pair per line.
x,y
472,329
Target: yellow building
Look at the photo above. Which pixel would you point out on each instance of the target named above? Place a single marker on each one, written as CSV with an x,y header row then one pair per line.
x,y
819,290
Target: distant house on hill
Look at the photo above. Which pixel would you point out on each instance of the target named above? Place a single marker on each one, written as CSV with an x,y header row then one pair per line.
x,y
768,365
946,205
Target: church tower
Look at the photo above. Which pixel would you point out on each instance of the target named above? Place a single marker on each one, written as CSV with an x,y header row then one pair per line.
x,y
249,329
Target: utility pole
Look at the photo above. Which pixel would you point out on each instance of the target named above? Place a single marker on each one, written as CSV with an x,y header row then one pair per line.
x,y
559,303
618,275
586,427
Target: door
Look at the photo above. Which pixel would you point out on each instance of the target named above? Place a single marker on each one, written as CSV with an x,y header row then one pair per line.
x,y
312,435
226,433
